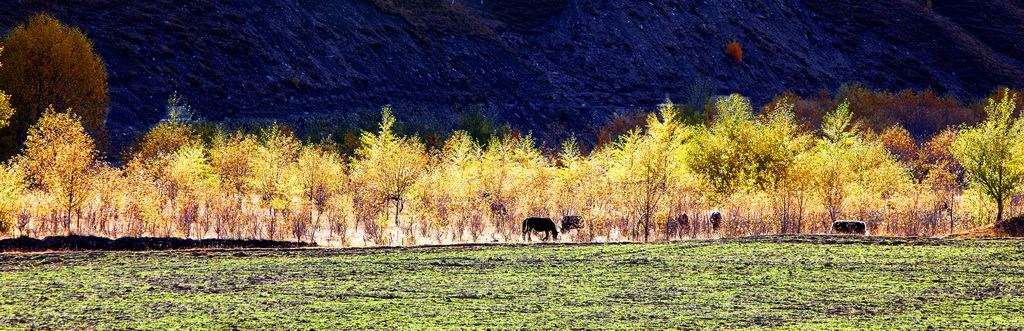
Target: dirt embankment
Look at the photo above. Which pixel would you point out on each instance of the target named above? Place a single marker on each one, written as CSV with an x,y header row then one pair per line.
x,y
1013,227
90,243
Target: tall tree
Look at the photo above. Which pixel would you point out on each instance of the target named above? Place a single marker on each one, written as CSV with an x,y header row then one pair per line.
x,y
645,164
5,103
992,153
47,63
59,157
388,165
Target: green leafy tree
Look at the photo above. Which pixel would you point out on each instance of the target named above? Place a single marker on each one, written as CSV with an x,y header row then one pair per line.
x,y
992,153
741,151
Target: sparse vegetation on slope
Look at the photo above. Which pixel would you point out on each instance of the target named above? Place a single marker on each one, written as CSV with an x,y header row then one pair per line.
x,y
530,60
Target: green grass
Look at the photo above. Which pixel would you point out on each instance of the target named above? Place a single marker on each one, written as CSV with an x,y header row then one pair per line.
x,y
775,282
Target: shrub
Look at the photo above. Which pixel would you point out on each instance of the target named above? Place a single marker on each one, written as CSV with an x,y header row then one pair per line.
x,y
735,51
921,113
478,126
5,109
47,63
5,104
619,125
167,137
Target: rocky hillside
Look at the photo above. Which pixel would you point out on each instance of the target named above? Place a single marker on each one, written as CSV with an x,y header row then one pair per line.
x,y
553,67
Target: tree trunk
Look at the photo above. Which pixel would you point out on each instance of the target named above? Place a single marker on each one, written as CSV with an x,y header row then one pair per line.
x,y
398,226
949,209
67,218
999,211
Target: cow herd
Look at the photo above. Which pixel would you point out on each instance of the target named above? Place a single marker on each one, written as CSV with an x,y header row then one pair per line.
x,y
675,226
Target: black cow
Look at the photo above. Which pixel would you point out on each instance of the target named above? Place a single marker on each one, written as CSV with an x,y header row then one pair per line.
x,y
716,220
539,224
677,225
849,227
571,222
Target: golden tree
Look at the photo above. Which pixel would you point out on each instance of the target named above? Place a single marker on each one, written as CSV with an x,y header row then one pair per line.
x,y
849,170
162,140
580,187
321,176
449,195
5,110
190,174
272,177
232,157
569,187
512,174
47,63
5,103
387,165
645,164
944,173
830,162
59,157
776,151
12,189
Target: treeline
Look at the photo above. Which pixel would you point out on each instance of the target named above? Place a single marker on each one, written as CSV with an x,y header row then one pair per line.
x,y
766,172
907,163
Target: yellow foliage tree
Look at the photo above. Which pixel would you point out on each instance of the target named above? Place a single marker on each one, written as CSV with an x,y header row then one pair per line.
x,y
190,175
646,163
852,172
387,166
272,178
5,103
59,156
12,189
321,175
449,195
168,136
47,63
231,156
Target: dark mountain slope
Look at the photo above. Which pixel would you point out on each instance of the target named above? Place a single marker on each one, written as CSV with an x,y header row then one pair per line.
x,y
550,66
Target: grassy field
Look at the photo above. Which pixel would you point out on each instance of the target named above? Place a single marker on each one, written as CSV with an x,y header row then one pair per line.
x,y
773,282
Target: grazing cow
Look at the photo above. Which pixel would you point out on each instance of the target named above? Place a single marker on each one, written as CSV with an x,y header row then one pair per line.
x,y
676,226
539,224
849,227
716,220
571,222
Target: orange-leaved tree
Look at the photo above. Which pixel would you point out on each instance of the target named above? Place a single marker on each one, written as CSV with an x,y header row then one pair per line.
x,y
735,51
47,63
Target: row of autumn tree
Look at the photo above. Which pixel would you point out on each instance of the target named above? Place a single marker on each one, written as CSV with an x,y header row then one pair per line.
x,y
765,172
